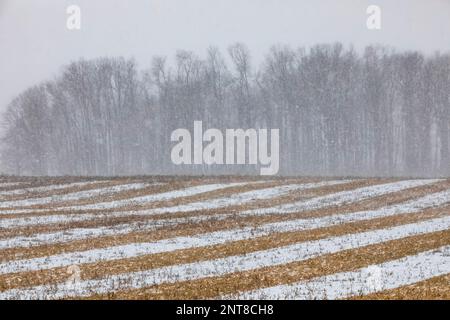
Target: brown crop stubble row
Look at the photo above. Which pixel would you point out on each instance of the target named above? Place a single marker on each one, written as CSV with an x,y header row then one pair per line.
x,y
291,197
437,288
121,195
105,268
69,189
349,260
105,221
186,229
130,194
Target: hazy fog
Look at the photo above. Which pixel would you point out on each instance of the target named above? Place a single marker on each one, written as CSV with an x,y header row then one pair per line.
x,y
34,42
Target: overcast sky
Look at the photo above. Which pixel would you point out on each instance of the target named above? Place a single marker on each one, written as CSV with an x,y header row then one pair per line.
x,y
34,41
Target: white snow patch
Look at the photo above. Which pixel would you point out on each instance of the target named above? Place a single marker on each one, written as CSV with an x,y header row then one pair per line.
x,y
223,266
375,278
235,199
186,192
87,233
247,197
79,195
140,200
341,198
219,237
10,184
47,188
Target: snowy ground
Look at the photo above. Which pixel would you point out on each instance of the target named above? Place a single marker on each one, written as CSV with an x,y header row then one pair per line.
x,y
214,232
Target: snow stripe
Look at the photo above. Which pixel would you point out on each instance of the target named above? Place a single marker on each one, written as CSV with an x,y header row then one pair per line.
x,y
140,200
218,237
89,233
11,184
375,278
79,195
237,199
432,200
247,197
186,192
223,266
47,188
341,198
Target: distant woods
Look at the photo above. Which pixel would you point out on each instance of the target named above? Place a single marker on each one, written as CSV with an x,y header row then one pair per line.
x,y
375,113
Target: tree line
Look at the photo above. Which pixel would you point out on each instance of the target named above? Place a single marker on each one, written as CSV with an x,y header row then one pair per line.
x,y
340,112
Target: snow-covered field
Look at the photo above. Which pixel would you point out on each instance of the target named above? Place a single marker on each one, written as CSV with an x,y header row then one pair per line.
x,y
295,238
